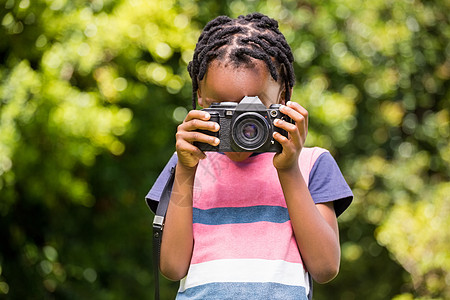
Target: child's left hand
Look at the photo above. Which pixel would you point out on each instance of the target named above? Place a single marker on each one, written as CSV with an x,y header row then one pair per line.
x,y
297,131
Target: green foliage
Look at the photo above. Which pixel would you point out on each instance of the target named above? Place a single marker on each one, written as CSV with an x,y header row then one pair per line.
x,y
415,233
92,91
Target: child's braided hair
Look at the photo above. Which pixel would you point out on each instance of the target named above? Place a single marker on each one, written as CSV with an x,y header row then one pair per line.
x,y
236,40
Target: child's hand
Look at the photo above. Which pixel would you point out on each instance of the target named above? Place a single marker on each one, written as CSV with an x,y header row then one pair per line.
x,y
293,144
188,154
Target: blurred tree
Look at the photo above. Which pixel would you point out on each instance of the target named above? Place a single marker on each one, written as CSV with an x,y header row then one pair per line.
x,y
92,91
81,82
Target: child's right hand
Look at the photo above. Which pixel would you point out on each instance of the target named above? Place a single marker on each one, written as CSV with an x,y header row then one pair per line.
x,y
188,154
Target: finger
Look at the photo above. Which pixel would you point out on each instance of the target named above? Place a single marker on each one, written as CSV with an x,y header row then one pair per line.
x,y
299,116
284,142
292,129
288,126
294,114
187,148
195,136
296,106
197,124
197,119
280,138
197,114
300,109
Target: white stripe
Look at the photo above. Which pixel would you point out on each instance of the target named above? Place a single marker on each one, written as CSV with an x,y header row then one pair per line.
x,y
245,270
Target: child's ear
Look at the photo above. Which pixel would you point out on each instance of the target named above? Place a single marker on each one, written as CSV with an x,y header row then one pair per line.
x,y
283,86
282,95
199,97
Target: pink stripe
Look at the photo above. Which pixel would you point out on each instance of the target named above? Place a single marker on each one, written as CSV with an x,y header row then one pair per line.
x,y
260,240
222,183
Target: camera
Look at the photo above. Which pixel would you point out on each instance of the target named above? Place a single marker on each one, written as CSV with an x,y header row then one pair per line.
x,y
246,126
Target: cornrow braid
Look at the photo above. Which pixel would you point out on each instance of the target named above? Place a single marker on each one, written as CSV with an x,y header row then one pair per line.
x,y
237,40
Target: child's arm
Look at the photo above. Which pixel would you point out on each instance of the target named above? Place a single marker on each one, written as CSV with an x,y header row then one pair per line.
x,y
315,226
177,240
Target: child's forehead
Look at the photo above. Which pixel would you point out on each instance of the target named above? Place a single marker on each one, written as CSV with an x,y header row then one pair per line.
x,y
228,82
231,74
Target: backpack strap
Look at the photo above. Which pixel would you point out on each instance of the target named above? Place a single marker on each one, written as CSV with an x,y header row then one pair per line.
x,y
158,225
310,294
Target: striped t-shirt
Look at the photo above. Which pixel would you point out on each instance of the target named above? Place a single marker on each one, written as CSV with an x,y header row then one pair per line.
x,y
244,246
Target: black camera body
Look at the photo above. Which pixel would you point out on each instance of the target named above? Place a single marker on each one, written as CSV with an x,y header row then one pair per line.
x,y
246,126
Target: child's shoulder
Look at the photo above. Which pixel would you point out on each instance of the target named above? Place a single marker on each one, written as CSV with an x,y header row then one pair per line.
x,y
309,155
308,158
312,151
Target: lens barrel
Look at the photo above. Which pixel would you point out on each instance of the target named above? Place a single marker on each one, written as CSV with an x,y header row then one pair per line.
x,y
250,131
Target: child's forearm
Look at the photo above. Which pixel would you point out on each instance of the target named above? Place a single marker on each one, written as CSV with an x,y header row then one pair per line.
x,y
177,240
315,227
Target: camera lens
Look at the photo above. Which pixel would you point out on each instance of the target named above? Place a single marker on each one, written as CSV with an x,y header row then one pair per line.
x,y
250,131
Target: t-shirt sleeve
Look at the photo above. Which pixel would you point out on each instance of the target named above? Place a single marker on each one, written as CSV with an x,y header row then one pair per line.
x,y
327,184
154,195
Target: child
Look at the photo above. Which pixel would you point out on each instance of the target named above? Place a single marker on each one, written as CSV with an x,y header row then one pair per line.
x,y
241,225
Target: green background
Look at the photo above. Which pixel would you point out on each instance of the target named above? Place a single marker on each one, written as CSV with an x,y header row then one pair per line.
x,y
91,93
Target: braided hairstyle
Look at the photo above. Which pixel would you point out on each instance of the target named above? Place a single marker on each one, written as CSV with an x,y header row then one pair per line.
x,y
237,41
